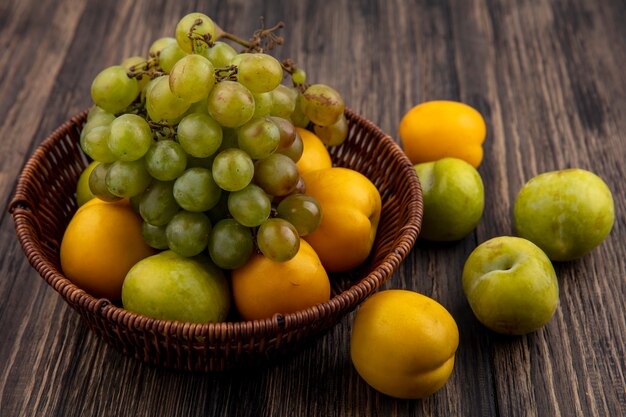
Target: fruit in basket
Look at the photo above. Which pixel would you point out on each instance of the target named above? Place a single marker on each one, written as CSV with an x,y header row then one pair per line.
x,y
403,343
230,244
168,286
112,90
196,131
437,129
334,134
510,285
324,106
83,192
453,199
303,211
192,78
315,155
187,233
262,287
278,239
130,137
101,243
566,213
351,208
199,25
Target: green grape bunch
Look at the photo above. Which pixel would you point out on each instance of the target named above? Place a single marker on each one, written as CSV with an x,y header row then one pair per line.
x,y
202,140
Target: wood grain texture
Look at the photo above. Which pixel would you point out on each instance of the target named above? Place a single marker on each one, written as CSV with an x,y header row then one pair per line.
x,y
547,75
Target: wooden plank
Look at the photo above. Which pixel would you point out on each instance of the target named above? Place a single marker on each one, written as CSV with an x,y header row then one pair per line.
x,y
34,45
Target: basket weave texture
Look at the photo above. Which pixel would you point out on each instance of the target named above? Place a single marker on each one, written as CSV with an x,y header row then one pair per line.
x,y
44,203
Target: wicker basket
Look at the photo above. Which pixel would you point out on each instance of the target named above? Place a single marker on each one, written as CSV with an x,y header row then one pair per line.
x,y
44,204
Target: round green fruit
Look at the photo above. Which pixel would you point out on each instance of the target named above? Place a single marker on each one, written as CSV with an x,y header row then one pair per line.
x,y
510,285
454,199
168,286
566,213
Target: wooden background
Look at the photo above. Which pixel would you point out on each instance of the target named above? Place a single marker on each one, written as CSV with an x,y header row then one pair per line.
x,y
549,78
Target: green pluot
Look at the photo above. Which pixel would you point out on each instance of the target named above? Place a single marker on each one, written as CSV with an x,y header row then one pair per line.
x,y
168,286
454,199
566,213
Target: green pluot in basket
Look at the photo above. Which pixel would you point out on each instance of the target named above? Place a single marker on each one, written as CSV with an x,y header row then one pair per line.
x,y
168,286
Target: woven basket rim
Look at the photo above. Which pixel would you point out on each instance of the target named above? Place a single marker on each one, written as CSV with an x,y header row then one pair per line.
x,y
344,301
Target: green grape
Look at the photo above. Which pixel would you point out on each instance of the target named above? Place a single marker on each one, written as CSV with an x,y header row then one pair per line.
x,y
299,117
96,144
232,169
98,185
196,190
137,63
103,118
230,244
302,211
293,151
259,72
324,105
112,90
262,104
207,26
277,174
287,132
192,78
259,138
334,134
166,160
154,236
95,111
278,240
96,117
220,210
157,205
134,62
130,137
160,44
298,76
127,178
250,206
162,104
199,135
230,104
220,54
169,56
283,101
188,233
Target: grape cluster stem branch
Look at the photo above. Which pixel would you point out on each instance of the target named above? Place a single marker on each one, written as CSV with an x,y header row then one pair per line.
x,y
261,41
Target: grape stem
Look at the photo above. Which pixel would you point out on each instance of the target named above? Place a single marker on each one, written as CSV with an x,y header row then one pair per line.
x,y
149,68
197,39
262,40
289,66
226,73
163,128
